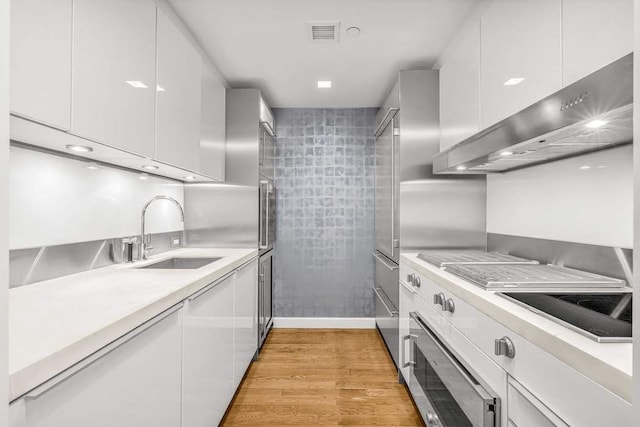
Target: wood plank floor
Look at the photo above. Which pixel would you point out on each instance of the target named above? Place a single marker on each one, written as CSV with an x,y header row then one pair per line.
x,y
322,377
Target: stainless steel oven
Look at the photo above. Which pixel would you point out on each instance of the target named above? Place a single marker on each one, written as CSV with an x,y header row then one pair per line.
x,y
443,388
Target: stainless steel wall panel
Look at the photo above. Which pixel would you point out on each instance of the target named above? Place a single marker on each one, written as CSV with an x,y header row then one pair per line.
x,y
221,215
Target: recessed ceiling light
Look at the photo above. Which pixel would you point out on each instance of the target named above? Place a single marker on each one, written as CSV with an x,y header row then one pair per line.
x,y
507,153
143,176
353,31
594,124
137,84
514,81
190,178
324,84
159,88
461,168
79,148
150,167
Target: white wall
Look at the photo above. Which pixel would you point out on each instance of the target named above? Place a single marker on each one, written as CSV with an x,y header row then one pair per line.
x,y
56,200
4,211
564,200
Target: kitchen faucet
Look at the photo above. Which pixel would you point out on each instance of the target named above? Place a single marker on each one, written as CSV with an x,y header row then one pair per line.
x,y
146,246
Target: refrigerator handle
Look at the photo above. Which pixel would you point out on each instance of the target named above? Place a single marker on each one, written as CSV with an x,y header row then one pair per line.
x,y
394,241
264,221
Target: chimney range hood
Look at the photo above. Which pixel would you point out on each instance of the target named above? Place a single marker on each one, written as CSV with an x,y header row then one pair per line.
x,y
591,114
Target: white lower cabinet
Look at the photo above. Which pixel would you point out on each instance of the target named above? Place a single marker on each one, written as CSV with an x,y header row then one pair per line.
x,y
245,318
525,410
136,383
208,384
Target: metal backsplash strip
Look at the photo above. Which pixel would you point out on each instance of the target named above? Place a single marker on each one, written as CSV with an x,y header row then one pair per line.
x,y
604,260
33,265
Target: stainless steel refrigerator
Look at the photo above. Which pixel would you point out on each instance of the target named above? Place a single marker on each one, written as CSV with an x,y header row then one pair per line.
x,y
415,209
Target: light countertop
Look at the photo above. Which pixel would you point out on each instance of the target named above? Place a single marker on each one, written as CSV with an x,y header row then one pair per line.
x,y
608,364
56,323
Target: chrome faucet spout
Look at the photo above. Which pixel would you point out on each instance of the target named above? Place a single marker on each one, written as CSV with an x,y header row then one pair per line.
x,y
144,246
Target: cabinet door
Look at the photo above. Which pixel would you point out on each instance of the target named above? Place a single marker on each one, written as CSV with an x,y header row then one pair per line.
x,y
41,61
114,45
136,384
179,97
594,34
525,410
212,131
208,356
520,39
460,89
245,318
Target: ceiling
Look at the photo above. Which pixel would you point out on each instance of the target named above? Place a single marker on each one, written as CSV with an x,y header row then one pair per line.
x,y
264,44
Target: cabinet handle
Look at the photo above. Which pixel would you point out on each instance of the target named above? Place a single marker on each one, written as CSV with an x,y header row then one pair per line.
x,y
504,347
410,278
404,339
449,306
392,313
416,281
438,299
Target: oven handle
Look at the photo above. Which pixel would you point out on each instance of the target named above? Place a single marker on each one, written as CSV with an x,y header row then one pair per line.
x,y
404,339
479,389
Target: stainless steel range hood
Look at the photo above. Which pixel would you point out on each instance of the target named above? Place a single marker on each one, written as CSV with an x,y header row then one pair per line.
x,y
593,113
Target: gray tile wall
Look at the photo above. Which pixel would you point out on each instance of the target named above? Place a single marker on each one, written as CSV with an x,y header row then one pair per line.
x,y
325,206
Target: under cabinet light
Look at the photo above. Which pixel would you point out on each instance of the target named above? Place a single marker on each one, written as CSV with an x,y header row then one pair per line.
x,y
506,153
514,81
136,84
143,177
461,168
150,167
79,148
190,178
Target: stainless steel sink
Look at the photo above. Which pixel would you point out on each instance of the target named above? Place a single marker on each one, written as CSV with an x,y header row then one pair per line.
x,y
181,263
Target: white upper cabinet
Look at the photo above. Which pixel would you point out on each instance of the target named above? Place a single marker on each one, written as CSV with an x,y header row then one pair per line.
x,y
594,34
41,61
460,88
212,131
179,97
114,45
520,39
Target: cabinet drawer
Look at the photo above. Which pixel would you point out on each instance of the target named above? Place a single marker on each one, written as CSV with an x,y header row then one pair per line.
x,y
525,410
426,289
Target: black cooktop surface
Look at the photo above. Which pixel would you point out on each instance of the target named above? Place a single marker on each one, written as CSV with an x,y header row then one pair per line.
x,y
607,317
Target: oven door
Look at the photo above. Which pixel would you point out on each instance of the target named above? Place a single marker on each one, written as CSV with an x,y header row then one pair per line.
x,y
444,390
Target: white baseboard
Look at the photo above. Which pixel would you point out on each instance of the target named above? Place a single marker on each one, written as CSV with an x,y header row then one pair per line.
x,y
324,322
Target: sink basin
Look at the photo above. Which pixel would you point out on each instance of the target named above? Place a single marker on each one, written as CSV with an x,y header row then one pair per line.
x,y
181,263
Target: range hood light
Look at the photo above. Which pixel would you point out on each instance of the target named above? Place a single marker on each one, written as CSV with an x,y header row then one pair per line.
x,y
507,153
190,178
461,168
595,124
585,167
150,167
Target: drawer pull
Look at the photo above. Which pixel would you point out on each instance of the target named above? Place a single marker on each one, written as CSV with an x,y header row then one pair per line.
x,y
416,281
438,298
504,347
411,278
449,306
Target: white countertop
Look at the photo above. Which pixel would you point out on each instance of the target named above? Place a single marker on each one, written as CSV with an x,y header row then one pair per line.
x,y
56,323
608,364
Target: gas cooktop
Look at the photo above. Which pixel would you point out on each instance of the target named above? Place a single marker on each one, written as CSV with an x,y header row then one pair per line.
x,y
601,317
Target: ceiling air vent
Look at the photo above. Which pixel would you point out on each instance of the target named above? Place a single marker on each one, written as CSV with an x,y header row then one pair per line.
x,y
323,32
